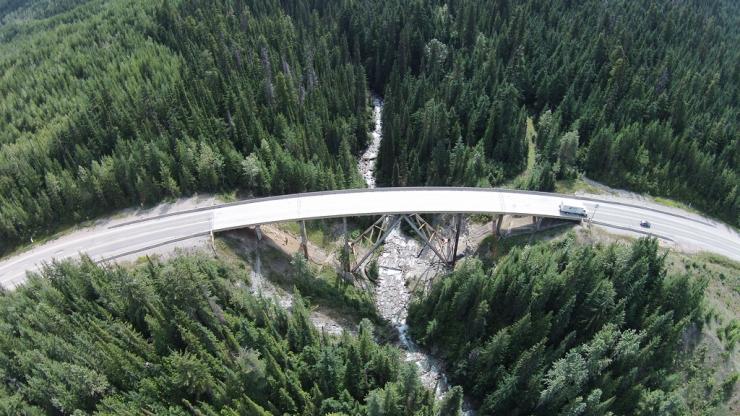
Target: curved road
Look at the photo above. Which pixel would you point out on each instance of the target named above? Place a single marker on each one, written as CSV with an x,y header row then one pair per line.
x,y
687,231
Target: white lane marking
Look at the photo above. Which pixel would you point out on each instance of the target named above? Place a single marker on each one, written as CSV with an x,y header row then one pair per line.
x,y
696,233
677,233
682,234
20,277
99,234
677,228
38,257
129,237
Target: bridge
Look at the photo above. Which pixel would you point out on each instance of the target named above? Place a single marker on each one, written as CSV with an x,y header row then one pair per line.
x,y
392,204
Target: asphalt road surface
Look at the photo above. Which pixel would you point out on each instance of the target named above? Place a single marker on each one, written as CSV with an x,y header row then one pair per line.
x,y
686,231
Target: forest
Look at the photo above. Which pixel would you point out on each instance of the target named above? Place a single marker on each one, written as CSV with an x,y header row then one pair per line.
x,y
564,329
148,100
186,337
109,104
553,328
112,104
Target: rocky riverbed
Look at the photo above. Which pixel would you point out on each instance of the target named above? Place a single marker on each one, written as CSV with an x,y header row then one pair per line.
x,y
401,261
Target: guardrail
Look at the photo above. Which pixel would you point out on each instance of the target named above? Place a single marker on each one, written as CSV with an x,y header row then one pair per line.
x,y
414,188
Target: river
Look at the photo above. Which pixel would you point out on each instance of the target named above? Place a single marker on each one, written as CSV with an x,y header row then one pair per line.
x,y
400,261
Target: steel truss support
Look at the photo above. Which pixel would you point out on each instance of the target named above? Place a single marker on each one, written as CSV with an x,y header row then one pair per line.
x,y
377,233
369,235
384,226
427,233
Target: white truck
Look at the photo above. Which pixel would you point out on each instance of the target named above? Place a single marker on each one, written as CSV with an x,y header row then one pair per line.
x,y
572,209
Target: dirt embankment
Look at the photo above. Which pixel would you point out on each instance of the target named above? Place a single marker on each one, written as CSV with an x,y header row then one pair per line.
x,y
269,254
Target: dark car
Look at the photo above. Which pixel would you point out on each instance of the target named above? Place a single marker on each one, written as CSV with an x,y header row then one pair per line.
x,y
644,224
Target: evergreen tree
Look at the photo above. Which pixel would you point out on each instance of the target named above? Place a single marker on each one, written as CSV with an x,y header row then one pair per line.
x,y
557,328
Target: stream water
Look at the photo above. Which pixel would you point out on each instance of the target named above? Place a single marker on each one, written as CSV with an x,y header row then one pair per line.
x,y
401,259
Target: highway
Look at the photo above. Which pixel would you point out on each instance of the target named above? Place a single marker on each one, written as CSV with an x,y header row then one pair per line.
x,y
686,231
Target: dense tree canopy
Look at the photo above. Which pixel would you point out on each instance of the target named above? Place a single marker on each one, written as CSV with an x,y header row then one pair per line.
x,y
112,104
637,94
187,337
561,328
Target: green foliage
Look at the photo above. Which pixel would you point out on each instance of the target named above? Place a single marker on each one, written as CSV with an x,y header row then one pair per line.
x,y
373,270
184,337
109,104
649,88
560,328
730,334
704,387
334,293
452,403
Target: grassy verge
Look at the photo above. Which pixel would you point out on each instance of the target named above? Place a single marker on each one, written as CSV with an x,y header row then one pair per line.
x,y
319,232
531,149
518,181
572,186
41,240
675,204
711,369
226,197
486,249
